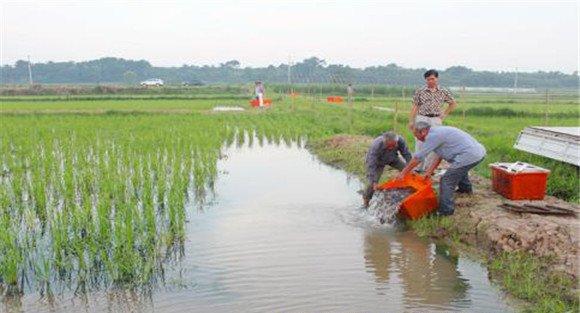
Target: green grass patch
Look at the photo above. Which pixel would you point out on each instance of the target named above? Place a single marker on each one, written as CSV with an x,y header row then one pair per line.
x,y
526,277
435,226
348,152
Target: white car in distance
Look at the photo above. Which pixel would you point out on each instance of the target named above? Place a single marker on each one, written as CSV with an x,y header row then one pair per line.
x,y
152,82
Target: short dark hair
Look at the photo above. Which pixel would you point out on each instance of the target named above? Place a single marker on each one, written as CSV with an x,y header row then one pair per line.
x,y
431,73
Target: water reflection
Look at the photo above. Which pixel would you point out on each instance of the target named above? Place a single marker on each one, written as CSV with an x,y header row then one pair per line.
x,y
116,300
427,272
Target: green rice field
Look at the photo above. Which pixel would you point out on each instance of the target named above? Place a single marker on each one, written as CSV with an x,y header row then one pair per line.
x,y
93,193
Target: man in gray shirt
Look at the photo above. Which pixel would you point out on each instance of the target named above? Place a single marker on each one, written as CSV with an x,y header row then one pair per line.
x,y
384,150
453,145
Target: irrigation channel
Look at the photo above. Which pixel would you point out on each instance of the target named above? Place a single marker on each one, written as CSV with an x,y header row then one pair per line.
x,y
283,232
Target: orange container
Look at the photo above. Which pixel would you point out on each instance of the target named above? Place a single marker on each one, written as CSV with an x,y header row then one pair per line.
x,y
423,201
519,181
255,103
334,99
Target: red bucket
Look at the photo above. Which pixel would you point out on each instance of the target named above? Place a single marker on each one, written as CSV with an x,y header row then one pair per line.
x,y
421,202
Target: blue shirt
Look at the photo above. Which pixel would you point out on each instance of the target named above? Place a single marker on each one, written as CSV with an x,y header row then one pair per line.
x,y
452,145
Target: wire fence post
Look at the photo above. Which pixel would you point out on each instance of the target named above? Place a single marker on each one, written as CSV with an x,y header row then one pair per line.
x,y
396,116
292,106
312,91
464,102
546,105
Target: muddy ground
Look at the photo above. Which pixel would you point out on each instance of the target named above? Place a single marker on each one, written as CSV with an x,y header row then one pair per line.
x,y
478,219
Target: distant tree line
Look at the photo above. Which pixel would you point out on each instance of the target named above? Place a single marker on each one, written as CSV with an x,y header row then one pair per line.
x,y
311,70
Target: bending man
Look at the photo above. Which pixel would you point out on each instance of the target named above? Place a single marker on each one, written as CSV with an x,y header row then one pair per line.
x,y
453,145
386,149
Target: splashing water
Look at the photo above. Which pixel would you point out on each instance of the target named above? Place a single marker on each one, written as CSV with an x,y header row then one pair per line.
x,y
386,203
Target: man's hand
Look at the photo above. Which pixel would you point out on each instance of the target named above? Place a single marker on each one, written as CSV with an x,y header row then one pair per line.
x,y
375,186
450,109
413,116
429,172
410,166
427,176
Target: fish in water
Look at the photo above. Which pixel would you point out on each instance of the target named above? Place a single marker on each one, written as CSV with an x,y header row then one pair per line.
x,y
386,203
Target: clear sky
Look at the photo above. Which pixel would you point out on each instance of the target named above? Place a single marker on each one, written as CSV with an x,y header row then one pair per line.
x,y
490,35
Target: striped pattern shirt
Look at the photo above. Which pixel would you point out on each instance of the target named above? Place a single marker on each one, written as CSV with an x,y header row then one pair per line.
x,y
430,102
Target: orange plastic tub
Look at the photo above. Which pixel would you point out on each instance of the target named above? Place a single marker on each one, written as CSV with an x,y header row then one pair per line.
x,y
255,103
519,181
334,99
423,201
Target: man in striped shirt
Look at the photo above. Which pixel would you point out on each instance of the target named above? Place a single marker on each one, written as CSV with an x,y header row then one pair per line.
x,y
427,107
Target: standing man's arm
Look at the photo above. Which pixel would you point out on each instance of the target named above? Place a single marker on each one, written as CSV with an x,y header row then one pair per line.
x,y
414,110
451,104
412,117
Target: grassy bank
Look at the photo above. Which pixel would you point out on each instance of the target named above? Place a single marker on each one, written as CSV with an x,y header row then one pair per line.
x,y
522,275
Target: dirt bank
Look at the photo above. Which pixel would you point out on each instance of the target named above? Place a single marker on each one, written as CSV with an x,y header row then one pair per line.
x,y
478,220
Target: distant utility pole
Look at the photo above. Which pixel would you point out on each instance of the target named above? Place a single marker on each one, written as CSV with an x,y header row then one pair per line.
x,y
516,81
289,71
30,72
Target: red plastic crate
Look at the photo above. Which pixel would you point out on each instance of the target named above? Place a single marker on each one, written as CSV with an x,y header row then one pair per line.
x,y
334,99
256,103
519,181
421,202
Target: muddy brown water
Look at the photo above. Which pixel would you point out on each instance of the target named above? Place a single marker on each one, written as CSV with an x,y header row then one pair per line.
x,y
285,233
